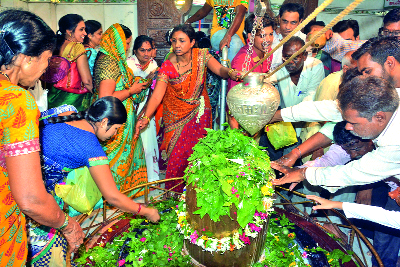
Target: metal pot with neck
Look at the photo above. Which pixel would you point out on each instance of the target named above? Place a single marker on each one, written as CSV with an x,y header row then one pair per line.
x,y
253,102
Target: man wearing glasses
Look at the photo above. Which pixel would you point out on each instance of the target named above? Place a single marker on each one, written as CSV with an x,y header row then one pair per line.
x,y
391,24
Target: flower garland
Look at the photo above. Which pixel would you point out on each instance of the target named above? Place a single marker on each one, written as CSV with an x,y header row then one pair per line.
x,y
159,245
236,241
201,108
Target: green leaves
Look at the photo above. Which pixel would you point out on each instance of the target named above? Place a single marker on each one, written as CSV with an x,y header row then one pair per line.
x,y
159,245
228,168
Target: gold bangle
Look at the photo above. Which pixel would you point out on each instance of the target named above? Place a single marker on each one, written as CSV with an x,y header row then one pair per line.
x,y
147,118
230,71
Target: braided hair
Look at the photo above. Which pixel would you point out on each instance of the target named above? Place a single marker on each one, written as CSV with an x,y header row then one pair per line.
x,y
106,107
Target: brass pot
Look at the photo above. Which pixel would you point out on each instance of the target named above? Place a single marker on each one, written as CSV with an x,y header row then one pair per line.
x,y
253,102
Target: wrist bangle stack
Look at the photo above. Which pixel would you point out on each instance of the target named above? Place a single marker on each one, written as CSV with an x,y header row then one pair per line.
x,y
230,71
147,118
139,209
65,224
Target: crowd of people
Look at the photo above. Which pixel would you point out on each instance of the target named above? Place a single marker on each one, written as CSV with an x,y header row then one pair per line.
x,y
119,118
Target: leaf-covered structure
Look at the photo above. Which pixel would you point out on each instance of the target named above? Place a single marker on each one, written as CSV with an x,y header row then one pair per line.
x,y
228,168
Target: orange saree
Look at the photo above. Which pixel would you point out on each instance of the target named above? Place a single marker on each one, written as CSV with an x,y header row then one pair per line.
x,y
186,112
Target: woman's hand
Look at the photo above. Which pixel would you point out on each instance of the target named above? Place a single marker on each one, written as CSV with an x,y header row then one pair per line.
x,y
73,234
137,87
292,175
235,75
325,203
151,214
141,124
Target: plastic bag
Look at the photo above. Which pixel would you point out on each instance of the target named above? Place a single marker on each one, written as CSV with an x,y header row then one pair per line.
x,y
80,190
281,134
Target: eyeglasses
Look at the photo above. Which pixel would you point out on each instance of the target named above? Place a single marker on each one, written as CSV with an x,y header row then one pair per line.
x,y
386,33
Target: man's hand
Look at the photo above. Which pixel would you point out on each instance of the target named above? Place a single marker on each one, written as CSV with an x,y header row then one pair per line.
x,y
292,175
325,203
226,41
277,117
328,34
289,159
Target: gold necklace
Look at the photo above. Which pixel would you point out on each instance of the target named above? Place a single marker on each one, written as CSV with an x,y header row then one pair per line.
x,y
183,65
5,75
179,65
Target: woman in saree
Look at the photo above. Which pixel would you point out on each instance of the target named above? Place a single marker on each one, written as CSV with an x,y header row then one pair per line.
x,y
113,77
186,105
144,66
92,40
70,36
26,44
79,135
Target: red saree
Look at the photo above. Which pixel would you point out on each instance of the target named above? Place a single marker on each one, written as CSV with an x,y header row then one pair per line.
x,y
186,112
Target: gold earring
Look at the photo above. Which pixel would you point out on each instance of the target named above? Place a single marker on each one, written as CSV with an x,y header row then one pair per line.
x,y
30,61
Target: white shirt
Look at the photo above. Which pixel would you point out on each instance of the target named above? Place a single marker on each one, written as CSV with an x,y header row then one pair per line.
x,y
371,213
310,77
292,94
374,166
277,58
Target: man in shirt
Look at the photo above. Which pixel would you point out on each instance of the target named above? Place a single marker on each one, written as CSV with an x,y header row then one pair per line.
x,y
391,24
329,87
228,23
296,82
337,47
348,29
290,16
299,79
312,27
369,105
378,56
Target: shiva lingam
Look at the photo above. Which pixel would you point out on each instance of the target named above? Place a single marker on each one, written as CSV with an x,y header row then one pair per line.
x,y
253,102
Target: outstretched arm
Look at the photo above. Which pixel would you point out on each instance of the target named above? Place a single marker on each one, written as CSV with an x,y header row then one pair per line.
x,y
314,142
105,182
237,21
325,203
222,71
200,14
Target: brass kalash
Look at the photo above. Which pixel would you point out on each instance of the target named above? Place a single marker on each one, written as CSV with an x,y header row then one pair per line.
x,y
253,102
